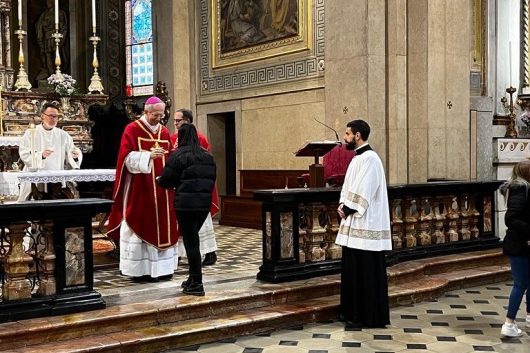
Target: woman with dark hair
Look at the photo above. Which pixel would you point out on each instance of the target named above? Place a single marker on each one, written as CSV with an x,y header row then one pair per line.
x,y
191,171
516,243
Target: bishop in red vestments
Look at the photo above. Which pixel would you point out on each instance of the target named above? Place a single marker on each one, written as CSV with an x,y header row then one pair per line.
x,y
142,217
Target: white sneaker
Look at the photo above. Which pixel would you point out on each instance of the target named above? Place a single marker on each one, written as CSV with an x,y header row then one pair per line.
x,y
511,330
527,320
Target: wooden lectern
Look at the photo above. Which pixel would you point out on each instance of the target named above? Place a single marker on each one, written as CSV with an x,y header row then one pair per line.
x,y
316,170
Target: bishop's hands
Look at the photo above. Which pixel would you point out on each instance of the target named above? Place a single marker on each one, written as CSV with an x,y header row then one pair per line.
x,y
157,152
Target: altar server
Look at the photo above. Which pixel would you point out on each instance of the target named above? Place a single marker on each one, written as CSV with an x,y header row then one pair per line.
x,y
46,147
142,217
364,234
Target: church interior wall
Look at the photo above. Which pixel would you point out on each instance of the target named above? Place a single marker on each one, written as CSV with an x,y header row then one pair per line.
x,y
270,128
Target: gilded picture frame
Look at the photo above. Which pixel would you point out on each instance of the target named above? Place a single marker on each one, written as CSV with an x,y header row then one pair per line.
x,y
244,31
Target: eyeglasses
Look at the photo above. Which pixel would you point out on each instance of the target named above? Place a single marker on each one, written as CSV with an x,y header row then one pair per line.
x,y
51,116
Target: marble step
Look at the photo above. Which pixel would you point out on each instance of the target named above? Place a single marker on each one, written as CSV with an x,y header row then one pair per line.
x,y
196,331
239,303
174,308
405,272
169,334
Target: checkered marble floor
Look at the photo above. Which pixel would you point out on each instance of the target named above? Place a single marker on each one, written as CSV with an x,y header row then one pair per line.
x,y
461,321
238,255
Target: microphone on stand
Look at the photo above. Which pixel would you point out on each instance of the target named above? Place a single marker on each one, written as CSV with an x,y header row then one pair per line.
x,y
329,127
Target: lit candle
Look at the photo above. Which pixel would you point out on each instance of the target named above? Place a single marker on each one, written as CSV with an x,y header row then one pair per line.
x,y
20,13
94,16
57,14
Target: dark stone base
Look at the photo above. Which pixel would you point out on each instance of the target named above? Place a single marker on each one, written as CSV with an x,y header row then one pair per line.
x,y
295,271
58,305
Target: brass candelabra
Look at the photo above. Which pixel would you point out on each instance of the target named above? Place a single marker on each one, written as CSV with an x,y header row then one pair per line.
x,y
22,83
57,38
95,87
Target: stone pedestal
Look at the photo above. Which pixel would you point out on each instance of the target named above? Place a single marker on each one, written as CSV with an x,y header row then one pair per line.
x,y
507,153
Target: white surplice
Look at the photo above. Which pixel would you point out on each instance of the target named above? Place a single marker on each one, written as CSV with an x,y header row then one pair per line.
x,y
35,141
365,191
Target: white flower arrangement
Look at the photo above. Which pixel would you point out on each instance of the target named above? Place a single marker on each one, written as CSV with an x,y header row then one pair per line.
x,y
64,86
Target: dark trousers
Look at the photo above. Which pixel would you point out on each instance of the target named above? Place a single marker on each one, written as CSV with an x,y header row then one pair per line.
x,y
364,288
190,222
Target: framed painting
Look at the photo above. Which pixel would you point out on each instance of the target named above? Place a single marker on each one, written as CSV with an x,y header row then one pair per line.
x,y
249,30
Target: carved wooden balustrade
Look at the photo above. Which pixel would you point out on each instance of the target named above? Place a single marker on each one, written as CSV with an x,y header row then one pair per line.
x,y
300,225
46,257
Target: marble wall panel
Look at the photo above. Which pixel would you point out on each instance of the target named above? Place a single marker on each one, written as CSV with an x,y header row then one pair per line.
x,y
346,17
437,140
346,87
376,17
418,145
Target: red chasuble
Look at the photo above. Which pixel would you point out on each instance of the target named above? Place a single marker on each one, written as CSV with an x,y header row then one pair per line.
x,y
149,211
203,141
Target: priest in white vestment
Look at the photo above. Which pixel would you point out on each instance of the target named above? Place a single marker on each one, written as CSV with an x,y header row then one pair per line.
x,y
364,234
46,147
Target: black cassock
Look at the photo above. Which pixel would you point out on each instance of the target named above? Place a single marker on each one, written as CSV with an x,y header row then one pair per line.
x,y
364,288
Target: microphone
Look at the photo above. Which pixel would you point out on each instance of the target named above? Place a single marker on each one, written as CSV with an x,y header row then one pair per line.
x,y
329,127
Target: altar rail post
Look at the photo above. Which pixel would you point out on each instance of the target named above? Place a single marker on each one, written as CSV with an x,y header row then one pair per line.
x,y
299,225
46,265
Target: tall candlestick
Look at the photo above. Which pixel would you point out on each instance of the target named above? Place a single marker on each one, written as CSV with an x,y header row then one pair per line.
x,y
93,16
20,13
510,60
57,14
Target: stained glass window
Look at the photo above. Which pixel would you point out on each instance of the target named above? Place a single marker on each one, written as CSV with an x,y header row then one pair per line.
x,y
139,46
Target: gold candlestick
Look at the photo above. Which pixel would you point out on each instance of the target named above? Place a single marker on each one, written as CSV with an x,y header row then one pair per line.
x,y
96,87
57,38
511,132
22,83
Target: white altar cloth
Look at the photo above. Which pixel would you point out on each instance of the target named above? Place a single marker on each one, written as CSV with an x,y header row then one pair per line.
x,y
8,184
58,176
10,141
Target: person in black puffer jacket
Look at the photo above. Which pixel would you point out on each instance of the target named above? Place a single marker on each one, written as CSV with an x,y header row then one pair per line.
x,y
516,243
191,171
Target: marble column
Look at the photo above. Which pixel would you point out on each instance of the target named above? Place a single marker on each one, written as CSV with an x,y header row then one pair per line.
x,y
439,33
355,82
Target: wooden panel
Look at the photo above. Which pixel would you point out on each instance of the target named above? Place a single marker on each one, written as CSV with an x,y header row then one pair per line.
x,y
251,180
240,211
